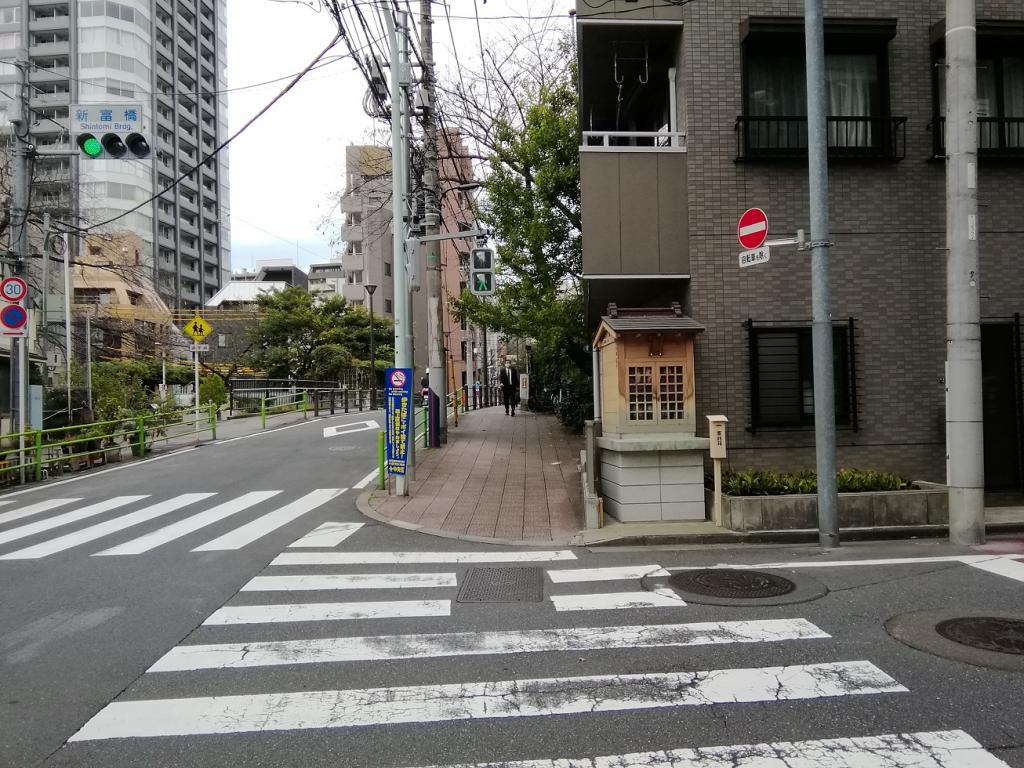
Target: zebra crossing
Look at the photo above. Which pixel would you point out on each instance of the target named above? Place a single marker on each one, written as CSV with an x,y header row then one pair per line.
x,y
352,591
63,524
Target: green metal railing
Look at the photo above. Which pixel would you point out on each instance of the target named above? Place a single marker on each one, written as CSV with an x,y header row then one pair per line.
x,y
297,401
48,451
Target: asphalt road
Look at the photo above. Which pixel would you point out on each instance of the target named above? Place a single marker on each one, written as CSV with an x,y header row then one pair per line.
x,y
359,651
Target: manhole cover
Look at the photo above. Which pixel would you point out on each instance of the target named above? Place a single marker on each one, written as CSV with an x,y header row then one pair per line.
x,y
987,633
732,583
502,585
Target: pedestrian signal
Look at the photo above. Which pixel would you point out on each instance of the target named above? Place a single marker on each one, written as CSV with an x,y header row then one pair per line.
x,y
481,272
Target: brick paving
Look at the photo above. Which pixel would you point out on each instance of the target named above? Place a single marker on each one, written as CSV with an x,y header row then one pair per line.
x,y
498,477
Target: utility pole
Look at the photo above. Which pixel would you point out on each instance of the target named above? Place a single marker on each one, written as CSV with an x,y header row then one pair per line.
x,y
965,449
400,80
437,380
88,362
21,149
824,385
68,357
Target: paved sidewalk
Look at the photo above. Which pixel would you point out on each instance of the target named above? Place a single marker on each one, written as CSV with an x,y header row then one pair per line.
x,y
498,479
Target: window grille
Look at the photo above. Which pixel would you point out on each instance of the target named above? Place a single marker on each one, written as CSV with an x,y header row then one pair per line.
x,y
671,379
641,393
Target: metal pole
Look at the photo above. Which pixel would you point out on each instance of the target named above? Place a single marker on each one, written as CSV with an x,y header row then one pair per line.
x,y
19,241
403,319
88,363
44,325
195,374
487,376
824,386
437,381
964,418
370,289
67,320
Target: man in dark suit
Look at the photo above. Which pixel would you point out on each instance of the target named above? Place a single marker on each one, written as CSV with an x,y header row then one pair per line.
x,y
508,378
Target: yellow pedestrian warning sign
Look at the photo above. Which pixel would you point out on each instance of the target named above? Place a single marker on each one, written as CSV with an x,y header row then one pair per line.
x,y
198,328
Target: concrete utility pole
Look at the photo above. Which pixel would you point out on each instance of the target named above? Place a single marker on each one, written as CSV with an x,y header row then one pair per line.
x,y
965,448
403,316
21,149
824,385
437,381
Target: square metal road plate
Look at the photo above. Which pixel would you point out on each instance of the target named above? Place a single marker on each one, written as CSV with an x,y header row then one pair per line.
x,y
502,584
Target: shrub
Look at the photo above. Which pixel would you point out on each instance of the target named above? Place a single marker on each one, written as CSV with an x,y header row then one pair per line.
x,y
212,390
766,483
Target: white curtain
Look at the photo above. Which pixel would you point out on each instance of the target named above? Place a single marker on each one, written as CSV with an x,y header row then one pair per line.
x,y
776,88
851,81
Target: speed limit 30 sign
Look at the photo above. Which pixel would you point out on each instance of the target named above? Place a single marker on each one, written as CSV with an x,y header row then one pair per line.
x,y
13,289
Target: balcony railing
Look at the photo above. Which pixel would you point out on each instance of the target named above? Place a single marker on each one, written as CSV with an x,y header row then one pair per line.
x,y
864,138
634,141
1001,137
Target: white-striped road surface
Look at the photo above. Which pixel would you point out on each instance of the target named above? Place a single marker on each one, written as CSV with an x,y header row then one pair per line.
x,y
417,558
115,520
602,601
291,612
349,581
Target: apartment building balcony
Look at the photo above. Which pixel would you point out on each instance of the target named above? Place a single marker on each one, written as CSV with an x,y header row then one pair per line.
x,y
57,48
353,262
351,204
43,100
856,138
998,137
352,233
190,269
59,74
48,23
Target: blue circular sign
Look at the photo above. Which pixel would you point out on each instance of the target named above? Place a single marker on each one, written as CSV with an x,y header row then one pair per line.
x,y
13,317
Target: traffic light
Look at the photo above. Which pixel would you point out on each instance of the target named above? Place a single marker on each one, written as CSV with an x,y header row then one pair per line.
x,y
481,272
114,145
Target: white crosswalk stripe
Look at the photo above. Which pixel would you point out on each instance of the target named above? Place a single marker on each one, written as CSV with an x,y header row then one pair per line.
x,y
33,509
396,558
189,524
271,521
235,655
276,614
488,700
349,581
327,535
928,749
84,513
605,574
602,601
100,530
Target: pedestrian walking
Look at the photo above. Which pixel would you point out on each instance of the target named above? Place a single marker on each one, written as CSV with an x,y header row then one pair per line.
x,y
509,381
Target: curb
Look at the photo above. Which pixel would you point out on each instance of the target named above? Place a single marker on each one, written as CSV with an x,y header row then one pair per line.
x,y
367,510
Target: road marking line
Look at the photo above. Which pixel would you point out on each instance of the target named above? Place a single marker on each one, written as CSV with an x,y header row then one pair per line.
x,y
33,509
847,563
271,521
99,530
278,614
327,535
606,574
359,426
91,475
2,503
481,700
350,581
929,749
68,517
187,658
1007,567
367,480
188,525
393,558
660,598
268,432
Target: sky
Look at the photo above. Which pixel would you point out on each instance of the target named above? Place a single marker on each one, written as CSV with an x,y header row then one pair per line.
x,y
285,167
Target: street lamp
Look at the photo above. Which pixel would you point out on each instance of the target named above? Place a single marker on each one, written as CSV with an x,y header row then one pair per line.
x,y
370,288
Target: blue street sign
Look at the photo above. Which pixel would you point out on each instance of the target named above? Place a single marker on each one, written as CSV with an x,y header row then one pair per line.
x,y
398,399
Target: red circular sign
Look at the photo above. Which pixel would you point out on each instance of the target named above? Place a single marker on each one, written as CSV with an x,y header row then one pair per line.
x,y
13,289
752,230
397,378
13,317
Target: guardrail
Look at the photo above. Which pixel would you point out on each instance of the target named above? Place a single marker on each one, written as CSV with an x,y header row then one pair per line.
x,y
52,451
298,401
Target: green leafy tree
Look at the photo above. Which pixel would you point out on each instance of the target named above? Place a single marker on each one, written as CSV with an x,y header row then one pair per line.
x,y
302,336
212,390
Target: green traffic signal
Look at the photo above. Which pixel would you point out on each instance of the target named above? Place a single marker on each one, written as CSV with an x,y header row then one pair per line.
x,y
90,145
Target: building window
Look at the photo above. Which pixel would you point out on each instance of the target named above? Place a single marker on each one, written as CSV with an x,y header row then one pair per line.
x,y
641,393
671,391
774,122
387,306
782,375
387,269
1000,93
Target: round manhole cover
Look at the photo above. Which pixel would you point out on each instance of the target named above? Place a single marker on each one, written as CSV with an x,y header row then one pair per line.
x,y
987,633
732,583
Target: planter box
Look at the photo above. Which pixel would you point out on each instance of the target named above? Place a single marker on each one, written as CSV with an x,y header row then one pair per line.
x,y
924,505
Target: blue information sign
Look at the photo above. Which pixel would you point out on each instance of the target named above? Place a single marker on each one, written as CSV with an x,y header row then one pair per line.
x,y
398,396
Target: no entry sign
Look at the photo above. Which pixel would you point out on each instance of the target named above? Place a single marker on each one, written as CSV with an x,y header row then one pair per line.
x,y
752,229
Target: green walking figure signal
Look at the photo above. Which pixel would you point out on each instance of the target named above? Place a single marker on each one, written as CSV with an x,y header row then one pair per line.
x,y
481,279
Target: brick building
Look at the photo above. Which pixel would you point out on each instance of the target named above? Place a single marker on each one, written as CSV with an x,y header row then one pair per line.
x,y
691,113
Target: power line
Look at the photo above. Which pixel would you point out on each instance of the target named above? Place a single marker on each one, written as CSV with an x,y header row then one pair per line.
x,y
216,150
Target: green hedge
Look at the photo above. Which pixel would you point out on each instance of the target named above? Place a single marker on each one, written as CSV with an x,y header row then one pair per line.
x,y
765,483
